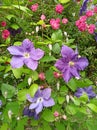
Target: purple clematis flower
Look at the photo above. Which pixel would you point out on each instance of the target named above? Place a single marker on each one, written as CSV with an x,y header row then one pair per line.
x,y
25,54
30,113
71,63
87,90
83,7
40,100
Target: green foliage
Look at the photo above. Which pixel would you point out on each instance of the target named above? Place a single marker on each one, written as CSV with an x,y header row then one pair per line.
x,y
69,111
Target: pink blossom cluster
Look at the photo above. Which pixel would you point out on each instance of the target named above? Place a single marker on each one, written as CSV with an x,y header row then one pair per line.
x,y
59,9
34,7
5,34
55,23
82,24
3,23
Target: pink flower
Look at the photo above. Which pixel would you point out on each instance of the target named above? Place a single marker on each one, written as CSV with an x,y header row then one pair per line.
x,y
3,23
34,7
43,17
64,20
82,27
91,28
55,23
95,9
56,114
5,34
89,13
83,18
41,76
59,8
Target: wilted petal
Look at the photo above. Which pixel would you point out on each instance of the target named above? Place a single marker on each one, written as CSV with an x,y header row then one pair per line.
x,y
17,62
15,50
67,52
34,105
27,45
48,103
46,93
39,108
37,54
81,63
32,64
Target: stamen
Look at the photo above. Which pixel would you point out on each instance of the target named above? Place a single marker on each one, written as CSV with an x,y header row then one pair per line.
x,y
71,63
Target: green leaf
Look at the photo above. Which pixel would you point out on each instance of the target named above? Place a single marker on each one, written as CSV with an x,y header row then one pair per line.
x,y
7,90
71,109
15,26
48,115
17,72
61,100
40,22
57,36
91,124
17,43
64,1
13,106
34,75
48,59
56,48
10,16
49,76
32,90
2,68
59,126
4,127
93,107
72,84
22,94
84,98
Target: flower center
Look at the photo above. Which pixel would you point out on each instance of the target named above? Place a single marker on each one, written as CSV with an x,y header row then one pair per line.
x,y
40,99
26,55
71,63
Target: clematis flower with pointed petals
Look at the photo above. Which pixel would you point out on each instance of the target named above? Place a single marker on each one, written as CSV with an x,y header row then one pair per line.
x,y
87,90
71,63
41,99
25,54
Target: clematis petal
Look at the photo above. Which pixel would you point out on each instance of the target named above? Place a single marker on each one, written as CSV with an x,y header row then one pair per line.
x,y
74,72
67,75
46,93
48,103
39,108
34,105
32,64
81,63
37,54
61,64
88,89
67,52
15,50
17,62
27,45
29,98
